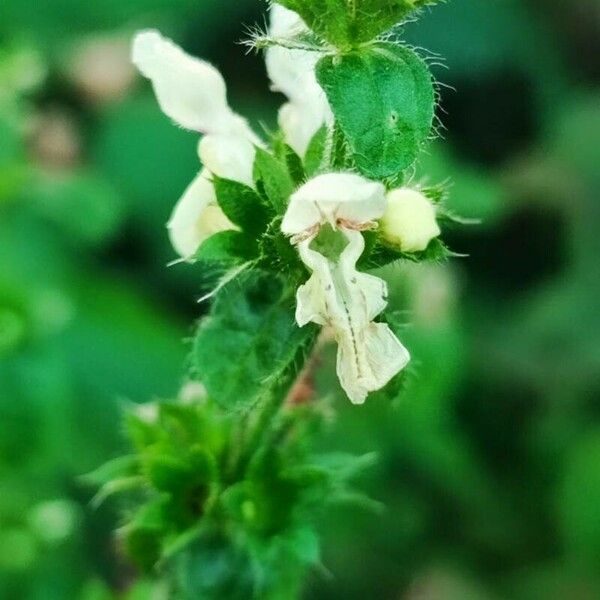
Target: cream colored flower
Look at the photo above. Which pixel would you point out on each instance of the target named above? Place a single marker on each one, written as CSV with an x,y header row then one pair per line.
x,y
228,157
340,199
196,217
190,91
292,72
409,221
193,93
337,294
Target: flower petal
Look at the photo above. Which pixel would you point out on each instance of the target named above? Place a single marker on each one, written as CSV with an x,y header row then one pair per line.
x,y
369,354
229,157
196,217
285,22
369,360
190,91
337,294
292,72
299,123
368,294
332,197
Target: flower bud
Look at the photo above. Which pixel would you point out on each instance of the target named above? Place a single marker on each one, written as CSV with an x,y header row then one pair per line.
x,y
409,221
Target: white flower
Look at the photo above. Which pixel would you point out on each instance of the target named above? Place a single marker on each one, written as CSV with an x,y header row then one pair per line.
x,y
190,91
292,72
193,93
409,221
342,199
337,294
299,124
196,217
228,157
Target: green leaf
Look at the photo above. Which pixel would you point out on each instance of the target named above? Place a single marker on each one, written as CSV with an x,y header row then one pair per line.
x,y
294,165
286,154
228,248
169,474
278,255
249,340
242,205
123,466
141,432
143,536
166,473
305,545
117,486
380,255
349,23
315,153
272,180
213,567
383,99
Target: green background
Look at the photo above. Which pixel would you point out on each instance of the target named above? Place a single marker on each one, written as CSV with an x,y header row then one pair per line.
x,y
490,458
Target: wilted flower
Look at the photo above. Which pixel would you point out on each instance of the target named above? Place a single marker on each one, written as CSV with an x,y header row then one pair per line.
x,y
337,294
409,221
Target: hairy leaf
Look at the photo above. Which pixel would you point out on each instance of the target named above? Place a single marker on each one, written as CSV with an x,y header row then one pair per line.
x,y
242,205
383,99
249,340
348,23
273,180
227,248
315,152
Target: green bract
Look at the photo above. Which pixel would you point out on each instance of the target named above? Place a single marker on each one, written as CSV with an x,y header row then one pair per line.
x,y
349,23
383,99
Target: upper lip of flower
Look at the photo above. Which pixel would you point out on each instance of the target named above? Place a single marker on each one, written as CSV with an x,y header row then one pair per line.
x,y
343,200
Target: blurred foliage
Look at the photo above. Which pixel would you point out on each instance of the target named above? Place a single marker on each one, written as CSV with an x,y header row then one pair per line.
x,y
220,518
489,458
